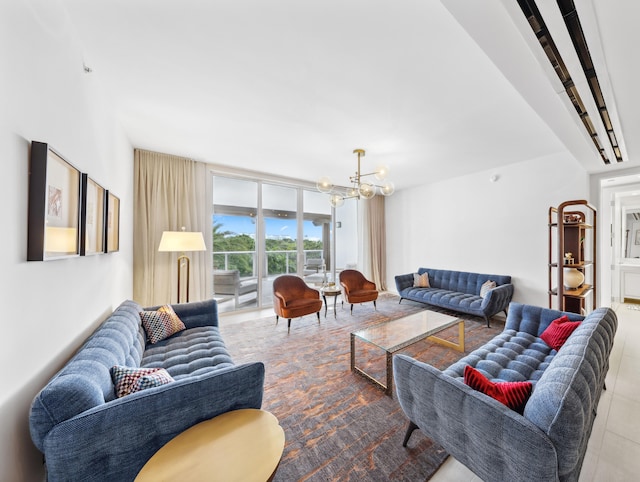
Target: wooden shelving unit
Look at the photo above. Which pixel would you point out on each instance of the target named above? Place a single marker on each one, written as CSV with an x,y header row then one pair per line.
x,y
572,228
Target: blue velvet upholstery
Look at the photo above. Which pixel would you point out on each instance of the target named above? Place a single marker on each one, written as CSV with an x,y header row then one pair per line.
x,y
549,441
86,433
458,291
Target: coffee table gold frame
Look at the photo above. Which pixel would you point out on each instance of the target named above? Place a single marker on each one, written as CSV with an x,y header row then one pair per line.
x,y
394,335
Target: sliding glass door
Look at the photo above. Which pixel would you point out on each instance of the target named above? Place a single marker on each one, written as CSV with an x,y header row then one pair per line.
x,y
235,259
316,238
262,230
280,234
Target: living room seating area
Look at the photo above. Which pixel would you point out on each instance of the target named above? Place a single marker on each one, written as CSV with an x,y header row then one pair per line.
x,y
93,424
472,293
548,439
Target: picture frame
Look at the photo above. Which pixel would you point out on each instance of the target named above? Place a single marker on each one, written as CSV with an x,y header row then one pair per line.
x,y
637,241
112,223
92,217
54,205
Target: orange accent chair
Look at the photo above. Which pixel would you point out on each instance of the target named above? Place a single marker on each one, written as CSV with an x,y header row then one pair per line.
x,y
293,298
356,288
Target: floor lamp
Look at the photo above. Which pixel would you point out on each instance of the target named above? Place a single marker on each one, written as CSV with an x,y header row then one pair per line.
x,y
182,242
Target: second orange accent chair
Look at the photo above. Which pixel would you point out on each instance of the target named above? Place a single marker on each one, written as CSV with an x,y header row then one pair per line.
x,y
356,288
293,298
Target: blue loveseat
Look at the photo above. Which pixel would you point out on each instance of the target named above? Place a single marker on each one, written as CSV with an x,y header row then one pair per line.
x,y
86,433
549,440
458,291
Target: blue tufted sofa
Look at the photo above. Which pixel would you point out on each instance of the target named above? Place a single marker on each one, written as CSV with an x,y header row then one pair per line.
x,y
86,433
458,291
548,442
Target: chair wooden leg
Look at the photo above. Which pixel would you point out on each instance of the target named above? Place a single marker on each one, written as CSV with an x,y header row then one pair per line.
x,y
375,307
318,313
412,426
277,319
289,325
352,308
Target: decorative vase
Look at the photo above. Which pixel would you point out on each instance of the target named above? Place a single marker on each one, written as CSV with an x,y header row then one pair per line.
x,y
573,278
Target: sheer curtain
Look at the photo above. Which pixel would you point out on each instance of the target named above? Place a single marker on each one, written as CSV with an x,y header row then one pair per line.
x,y
374,244
169,193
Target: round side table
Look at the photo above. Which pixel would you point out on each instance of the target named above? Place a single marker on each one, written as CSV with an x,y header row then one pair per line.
x,y
242,445
330,291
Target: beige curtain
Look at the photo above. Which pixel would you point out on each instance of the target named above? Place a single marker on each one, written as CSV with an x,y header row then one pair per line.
x,y
374,245
169,193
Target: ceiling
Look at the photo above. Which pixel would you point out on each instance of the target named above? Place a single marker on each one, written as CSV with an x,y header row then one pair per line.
x,y
434,89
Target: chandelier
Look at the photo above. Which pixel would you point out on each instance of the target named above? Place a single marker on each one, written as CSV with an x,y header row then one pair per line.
x,y
359,188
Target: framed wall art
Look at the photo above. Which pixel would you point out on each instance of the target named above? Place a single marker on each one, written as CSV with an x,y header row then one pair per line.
x,y
92,215
54,205
112,231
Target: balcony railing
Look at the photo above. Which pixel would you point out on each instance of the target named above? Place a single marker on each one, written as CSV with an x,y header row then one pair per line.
x,y
277,262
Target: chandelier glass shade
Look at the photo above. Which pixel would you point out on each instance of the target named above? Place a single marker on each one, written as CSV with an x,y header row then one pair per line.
x,y
360,188
336,200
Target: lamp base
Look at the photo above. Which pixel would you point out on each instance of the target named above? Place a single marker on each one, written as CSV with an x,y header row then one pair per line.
x,y
188,264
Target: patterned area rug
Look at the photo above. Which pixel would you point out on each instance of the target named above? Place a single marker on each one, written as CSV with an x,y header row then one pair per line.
x,y
339,426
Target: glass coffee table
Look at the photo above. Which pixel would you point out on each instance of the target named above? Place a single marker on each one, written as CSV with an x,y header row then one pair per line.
x,y
392,336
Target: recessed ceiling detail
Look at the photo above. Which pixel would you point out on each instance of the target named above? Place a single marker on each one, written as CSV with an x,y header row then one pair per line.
x,y
572,22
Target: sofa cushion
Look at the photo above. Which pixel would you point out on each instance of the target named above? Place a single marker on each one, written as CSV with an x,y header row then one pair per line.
x,y
421,280
558,331
461,281
129,380
161,324
510,356
191,352
512,394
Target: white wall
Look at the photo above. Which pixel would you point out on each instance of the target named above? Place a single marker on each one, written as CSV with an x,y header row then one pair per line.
x,y
347,234
473,224
48,308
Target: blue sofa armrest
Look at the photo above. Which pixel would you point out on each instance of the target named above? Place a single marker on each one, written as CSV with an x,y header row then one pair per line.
x,y
495,442
497,299
114,440
404,281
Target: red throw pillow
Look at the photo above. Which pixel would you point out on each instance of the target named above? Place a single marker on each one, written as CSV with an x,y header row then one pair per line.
x,y
513,394
558,331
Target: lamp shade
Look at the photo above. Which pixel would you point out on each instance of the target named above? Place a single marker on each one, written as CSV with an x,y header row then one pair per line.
x,y
182,241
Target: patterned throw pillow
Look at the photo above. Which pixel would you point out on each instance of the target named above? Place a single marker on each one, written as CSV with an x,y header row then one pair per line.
x,y
513,394
558,331
486,287
161,324
421,280
130,380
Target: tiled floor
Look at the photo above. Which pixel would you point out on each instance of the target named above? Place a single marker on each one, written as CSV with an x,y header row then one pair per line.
x,y
613,453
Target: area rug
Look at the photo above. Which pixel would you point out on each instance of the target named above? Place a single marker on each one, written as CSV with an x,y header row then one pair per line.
x,y
339,426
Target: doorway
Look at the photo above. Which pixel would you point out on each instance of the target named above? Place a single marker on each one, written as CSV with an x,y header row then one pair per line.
x,y
619,227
